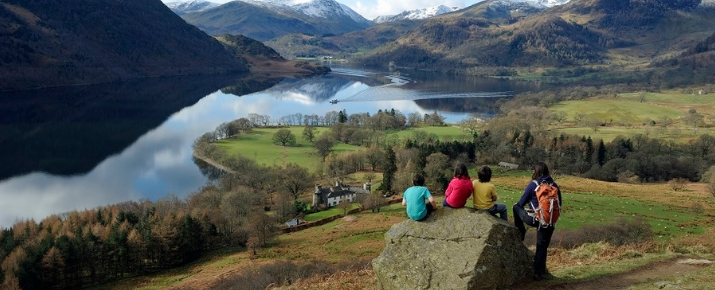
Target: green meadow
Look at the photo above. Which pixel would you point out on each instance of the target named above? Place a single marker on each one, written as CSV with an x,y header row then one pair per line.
x,y
630,113
258,145
623,111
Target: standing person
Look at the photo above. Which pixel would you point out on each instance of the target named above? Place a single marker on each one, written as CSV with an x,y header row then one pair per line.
x,y
459,189
521,217
414,199
485,194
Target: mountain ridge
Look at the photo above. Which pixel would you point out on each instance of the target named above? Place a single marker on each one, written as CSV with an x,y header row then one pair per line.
x,y
46,43
268,19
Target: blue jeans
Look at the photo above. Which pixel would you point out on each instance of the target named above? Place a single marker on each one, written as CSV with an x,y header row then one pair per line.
x,y
499,208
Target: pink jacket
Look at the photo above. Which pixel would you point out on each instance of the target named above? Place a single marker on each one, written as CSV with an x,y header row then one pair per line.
x,y
458,191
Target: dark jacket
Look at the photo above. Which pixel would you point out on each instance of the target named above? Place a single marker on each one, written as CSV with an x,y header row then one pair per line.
x,y
529,195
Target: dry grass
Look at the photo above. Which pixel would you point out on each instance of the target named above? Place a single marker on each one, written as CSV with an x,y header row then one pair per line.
x,y
345,280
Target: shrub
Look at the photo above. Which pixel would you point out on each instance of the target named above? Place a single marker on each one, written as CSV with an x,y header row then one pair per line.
x,y
622,232
283,273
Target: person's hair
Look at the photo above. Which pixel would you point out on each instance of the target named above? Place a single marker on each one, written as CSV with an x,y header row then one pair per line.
x,y
460,171
484,174
540,170
418,180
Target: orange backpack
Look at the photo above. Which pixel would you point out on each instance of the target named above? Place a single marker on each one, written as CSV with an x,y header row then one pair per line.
x,y
549,204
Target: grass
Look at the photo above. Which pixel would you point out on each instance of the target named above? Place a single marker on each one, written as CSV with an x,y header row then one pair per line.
x,y
628,116
259,146
625,111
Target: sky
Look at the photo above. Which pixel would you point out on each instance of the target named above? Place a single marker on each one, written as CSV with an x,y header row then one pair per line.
x,y
373,8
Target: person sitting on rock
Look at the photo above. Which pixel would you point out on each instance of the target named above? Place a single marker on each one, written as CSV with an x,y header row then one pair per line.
x,y
485,194
414,199
459,189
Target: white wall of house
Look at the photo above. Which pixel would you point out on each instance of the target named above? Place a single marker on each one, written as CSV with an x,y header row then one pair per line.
x,y
333,201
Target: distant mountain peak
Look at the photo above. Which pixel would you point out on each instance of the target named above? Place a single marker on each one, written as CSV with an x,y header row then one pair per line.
x,y
417,14
313,8
184,7
538,3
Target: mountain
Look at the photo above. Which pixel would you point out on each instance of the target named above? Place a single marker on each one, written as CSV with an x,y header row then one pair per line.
x,y
341,45
267,19
46,43
580,32
416,14
181,8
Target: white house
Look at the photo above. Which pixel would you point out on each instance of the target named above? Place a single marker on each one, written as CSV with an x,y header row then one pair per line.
x,y
334,195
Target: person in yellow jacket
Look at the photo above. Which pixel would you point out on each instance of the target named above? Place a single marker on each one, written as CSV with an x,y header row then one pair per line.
x,y
485,194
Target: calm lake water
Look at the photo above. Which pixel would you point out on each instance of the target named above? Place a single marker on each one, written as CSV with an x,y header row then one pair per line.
x,y
76,148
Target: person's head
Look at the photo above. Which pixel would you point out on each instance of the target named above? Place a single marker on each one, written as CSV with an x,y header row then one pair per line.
x,y
418,180
540,170
460,171
484,174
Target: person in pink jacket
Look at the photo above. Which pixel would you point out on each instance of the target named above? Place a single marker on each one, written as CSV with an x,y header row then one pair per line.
x,y
459,189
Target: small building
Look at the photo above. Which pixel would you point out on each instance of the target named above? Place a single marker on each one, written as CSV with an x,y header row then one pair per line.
x,y
334,195
508,165
294,222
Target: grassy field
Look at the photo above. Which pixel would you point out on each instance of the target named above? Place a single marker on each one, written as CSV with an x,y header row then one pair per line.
x,y
628,116
259,146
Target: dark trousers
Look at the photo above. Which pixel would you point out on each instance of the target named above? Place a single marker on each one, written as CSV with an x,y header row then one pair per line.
x,y
543,237
430,209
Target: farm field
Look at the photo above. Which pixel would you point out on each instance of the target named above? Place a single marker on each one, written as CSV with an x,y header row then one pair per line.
x,y
639,113
258,145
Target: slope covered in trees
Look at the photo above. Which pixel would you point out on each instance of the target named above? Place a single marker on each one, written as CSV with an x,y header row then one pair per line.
x,y
50,43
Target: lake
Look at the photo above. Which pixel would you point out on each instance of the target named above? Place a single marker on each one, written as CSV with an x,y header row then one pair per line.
x,y
77,148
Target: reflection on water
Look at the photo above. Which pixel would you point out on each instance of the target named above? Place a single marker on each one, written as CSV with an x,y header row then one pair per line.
x,y
78,148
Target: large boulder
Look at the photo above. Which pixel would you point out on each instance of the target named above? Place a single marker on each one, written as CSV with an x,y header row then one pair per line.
x,y
453,249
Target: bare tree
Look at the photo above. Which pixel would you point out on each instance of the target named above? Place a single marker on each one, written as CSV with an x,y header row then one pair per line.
x,y
344,206
309,133
323,145
262,228
295,179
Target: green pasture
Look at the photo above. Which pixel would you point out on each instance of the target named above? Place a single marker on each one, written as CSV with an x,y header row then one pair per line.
x,y
592,209
441,132
673,98
607,134
258,145
623,111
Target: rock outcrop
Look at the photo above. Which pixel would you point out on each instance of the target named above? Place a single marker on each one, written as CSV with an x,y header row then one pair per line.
x,y
453,249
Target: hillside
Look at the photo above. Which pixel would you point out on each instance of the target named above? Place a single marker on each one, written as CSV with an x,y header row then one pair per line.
x,y
337,255
264,20
49,43
341,45
579,33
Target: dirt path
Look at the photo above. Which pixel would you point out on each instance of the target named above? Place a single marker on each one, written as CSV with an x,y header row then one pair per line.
x,y
656,272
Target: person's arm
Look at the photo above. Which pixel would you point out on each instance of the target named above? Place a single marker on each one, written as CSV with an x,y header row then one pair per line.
x,y
494,193
434,203
526,196
448,191
404,202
